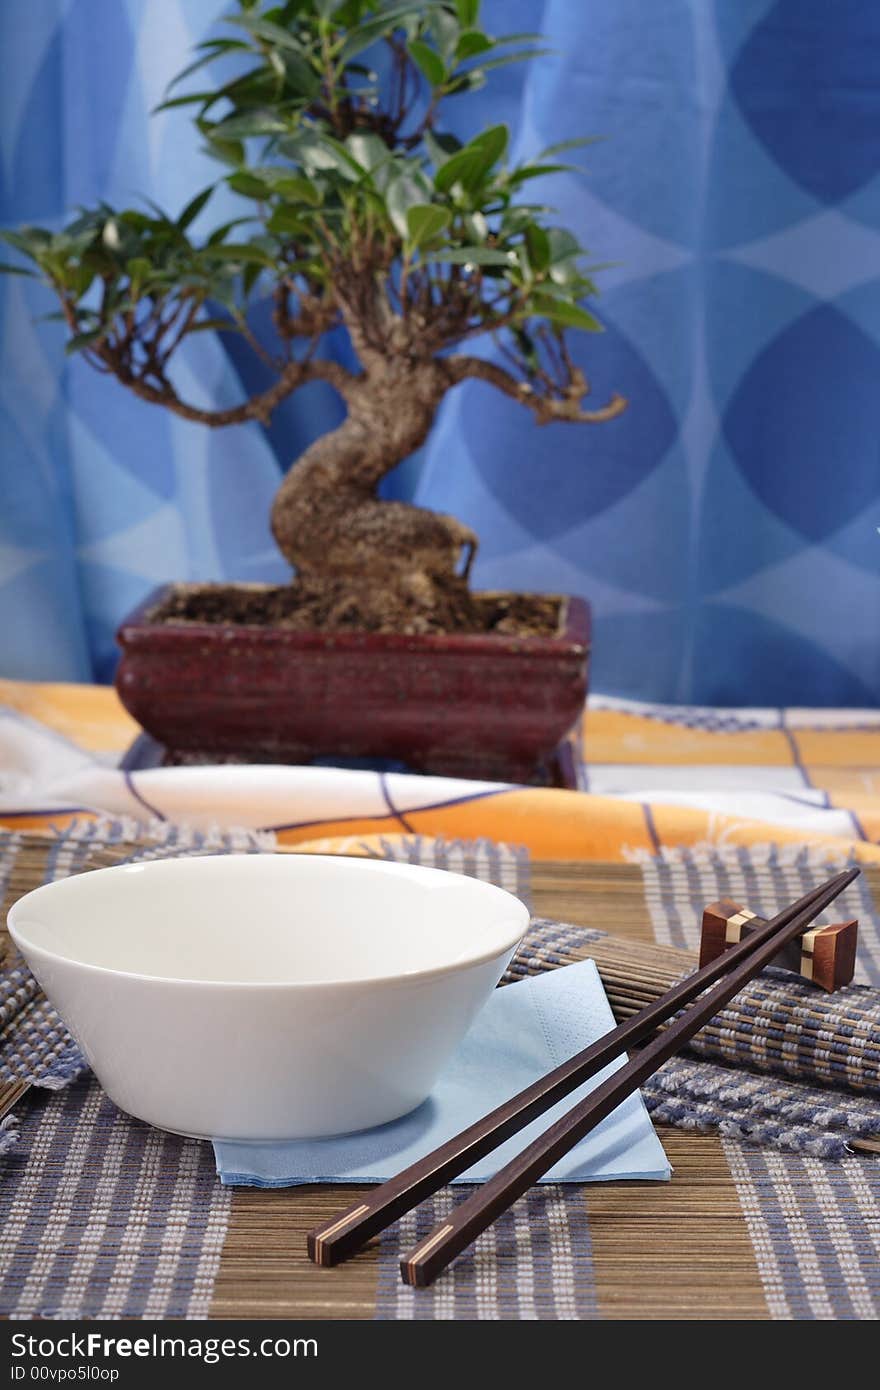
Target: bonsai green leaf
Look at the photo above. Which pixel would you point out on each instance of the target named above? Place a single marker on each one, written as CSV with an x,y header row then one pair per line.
x,y
245,252
361,36
341,159
278,178
445,28
191,98
538,247
287,221
29,240
248,186
190,68
300,76
211,325
411,24
226,151
492,142
527,349
265,29
468,12
476,226
567,279
380,164
250,276
562,145
83,340
566,275
569,292
470,81
472,255
402,193
471,43
463,168
79,278
96,261
318,151
298,187
563,244
194,207
440,147
522,37
254,124
327,8
213,48
564,312
367,149
6,269
424,221
522,56
537,171
428,61
473,161
138,268
219,233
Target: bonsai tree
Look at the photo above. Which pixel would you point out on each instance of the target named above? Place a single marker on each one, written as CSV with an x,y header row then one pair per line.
x,y
358,209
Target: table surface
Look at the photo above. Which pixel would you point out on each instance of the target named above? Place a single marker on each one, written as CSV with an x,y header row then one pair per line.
x,y
697,1247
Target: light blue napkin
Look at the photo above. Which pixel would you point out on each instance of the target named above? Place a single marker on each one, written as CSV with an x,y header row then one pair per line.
x,y
524,1030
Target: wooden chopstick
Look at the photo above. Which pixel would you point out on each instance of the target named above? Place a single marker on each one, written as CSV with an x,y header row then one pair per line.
x,y
335,1240
422,1264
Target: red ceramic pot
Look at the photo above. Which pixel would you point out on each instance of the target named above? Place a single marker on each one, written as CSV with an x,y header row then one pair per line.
x,y
490,706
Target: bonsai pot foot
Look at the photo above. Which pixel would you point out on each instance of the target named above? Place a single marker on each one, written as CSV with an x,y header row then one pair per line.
x,y
558,770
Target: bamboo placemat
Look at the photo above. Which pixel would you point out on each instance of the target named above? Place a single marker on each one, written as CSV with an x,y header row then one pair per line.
x,y
691,1249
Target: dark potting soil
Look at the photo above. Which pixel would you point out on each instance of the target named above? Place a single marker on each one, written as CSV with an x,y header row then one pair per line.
x,y
314,605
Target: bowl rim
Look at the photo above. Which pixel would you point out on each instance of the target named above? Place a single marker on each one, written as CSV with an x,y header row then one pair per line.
x,y
402,978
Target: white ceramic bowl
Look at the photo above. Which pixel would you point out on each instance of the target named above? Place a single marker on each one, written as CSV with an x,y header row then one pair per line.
x,y
266,996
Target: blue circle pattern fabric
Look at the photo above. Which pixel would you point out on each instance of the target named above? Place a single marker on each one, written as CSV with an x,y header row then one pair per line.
x,y
725,527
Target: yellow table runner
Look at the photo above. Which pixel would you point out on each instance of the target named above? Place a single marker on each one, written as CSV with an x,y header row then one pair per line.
x,y
654,777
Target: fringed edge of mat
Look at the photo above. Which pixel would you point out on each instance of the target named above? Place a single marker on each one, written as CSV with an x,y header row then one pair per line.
x,y
481,845
511,863
112,829
762,1134
10,1133
800,854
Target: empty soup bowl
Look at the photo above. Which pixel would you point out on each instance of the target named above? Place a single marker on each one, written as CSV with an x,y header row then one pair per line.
x,y
267,996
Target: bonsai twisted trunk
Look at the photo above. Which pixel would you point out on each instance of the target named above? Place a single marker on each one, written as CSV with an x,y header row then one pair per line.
x,y
379,560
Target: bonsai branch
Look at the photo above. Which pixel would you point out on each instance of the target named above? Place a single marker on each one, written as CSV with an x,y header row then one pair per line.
x,y
562,402
316,311
258,407
183,327
150,383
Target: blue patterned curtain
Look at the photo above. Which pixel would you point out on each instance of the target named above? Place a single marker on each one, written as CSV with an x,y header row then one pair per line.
x,y
725,527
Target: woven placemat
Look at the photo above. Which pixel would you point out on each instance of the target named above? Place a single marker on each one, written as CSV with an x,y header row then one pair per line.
x,y
778,1024
102,1216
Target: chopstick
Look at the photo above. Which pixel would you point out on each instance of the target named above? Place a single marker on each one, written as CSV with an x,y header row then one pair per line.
x,y
422,1264
336,1240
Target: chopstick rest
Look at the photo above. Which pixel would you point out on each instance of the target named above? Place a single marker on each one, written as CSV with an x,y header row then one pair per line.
x,y
825,956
